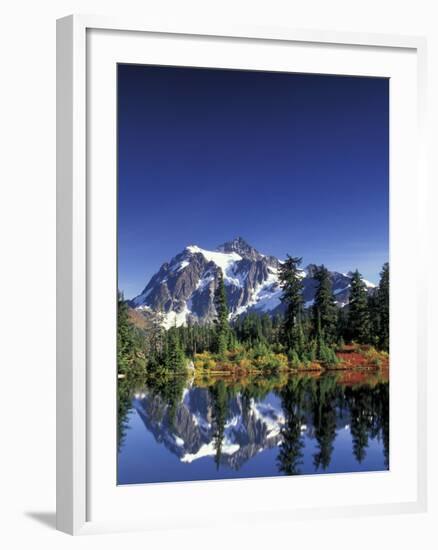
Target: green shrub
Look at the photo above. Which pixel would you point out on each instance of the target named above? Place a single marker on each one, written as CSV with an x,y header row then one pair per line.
x,y
294,359
327,354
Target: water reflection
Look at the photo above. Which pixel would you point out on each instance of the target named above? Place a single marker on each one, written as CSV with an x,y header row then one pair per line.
x,y
172,429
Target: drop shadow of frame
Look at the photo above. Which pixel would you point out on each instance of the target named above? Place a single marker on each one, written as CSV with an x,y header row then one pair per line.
x,y
45,518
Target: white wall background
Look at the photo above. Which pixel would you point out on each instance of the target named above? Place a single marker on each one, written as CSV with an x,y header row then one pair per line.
x,y
27,272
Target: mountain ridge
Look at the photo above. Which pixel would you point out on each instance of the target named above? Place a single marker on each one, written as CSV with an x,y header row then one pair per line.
x,y
183,288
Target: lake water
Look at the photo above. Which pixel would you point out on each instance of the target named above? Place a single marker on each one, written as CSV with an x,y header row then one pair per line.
x,y
181,430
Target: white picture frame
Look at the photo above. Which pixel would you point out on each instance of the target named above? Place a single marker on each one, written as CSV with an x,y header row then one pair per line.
x,y
75,224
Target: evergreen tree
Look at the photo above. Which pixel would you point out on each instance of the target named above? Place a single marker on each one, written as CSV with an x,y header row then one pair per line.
x,y
342,328
358,314
375,319
126,340
175,360
222,325
291,283
324,311
383,307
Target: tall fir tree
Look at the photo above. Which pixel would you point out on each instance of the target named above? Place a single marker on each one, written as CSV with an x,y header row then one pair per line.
x,y
342,328
291,283
125,337
324,311
222,325
130,345
375,320
358,313
175,359
383,307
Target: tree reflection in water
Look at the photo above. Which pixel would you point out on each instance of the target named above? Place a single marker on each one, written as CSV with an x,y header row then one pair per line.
x,y
231,422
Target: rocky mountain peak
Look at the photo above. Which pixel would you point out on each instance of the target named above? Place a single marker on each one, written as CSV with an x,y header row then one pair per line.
x,y
241,247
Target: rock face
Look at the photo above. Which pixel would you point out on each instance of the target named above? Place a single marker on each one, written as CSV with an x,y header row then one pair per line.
x,y
183,289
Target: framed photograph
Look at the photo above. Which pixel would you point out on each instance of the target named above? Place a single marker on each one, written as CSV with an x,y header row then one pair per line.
x,y
240,214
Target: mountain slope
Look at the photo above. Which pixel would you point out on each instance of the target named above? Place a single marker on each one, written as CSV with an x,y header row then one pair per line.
x,y
183,289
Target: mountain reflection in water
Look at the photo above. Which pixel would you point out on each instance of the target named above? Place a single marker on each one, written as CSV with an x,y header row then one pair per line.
x,y
175,430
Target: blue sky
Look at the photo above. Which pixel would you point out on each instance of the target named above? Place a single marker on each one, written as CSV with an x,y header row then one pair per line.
x,y
295,164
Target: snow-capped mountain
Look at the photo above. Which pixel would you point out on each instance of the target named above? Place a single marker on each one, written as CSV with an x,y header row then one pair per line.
x,y
183,289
